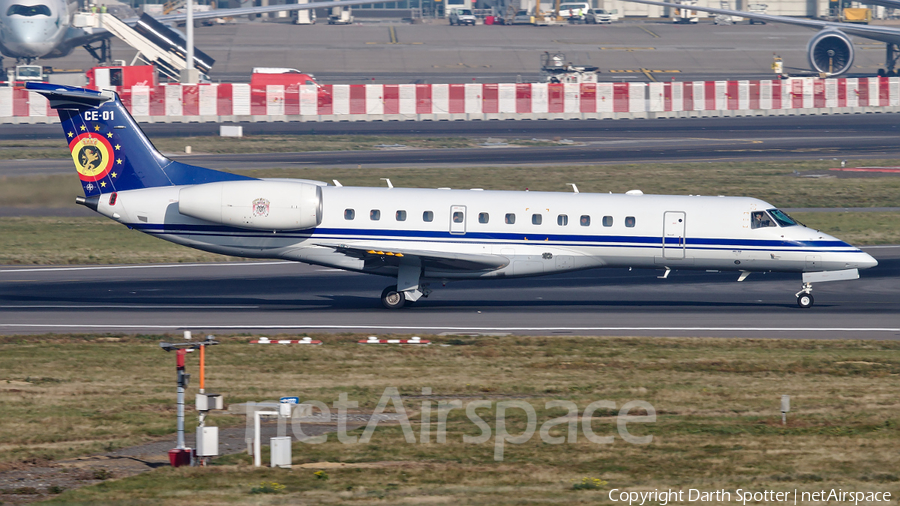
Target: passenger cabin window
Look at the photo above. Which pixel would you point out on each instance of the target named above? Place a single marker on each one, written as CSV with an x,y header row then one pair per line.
x,y
510,219
401,215
562,220
428,216
607,221
483,217
760,219
585,220
782,218
629,221
374,215
458,216
536,219
349,214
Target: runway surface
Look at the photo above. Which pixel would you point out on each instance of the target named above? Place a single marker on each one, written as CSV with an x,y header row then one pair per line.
x,y
273,297
854,137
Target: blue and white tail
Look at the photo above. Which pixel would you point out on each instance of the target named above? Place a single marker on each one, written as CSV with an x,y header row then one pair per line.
x,y
110,151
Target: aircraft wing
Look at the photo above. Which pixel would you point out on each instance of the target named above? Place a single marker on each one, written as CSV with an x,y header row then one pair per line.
x,y
437,260
246,11
879,33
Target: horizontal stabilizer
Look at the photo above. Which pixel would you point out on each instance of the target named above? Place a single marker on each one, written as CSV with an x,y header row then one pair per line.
x,y
69,96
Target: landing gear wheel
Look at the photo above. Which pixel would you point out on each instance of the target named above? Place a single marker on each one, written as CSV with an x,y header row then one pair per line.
x,y
392,299
805,300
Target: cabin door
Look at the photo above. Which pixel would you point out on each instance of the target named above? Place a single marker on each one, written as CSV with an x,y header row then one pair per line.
x,y
673,234
458,220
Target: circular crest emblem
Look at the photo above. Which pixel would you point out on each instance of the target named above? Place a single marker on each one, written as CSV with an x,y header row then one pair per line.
x,y
93,156
261,208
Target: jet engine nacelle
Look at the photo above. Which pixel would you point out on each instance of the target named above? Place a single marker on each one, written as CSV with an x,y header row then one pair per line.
x,y
830,52
258,205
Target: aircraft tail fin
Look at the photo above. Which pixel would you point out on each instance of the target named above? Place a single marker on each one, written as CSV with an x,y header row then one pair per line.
x,y
110,151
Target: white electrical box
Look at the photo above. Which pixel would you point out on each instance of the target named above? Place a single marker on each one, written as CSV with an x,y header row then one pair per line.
x,y
280,449
207,402
785,403
207,441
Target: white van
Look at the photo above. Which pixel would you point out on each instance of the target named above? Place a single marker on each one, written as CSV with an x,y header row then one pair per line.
x,y
569,9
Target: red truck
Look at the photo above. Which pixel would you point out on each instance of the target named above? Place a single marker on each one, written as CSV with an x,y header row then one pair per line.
x,y
121,77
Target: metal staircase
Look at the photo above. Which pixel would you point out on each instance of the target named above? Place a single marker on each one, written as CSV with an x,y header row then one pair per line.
x,y
156,44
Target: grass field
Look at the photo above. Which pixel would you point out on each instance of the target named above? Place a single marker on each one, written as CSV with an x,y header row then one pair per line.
x,y
56,148
716,400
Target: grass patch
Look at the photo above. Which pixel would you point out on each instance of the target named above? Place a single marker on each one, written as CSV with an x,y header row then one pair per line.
x,y
717,400
87,240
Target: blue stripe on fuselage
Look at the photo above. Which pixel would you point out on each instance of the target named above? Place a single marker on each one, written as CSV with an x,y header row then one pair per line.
x,y
441,236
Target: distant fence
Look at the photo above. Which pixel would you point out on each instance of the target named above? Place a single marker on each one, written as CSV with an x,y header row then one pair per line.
x,y
434,102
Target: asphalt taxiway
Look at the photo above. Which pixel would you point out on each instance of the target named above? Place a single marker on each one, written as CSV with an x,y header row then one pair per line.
x,y
636,50
274,297
853,137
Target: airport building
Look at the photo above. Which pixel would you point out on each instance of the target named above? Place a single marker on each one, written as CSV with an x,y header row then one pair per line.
x,y
432,8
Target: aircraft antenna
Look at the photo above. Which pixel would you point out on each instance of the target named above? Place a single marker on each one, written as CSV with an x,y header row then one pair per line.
x,y
574,188
388,181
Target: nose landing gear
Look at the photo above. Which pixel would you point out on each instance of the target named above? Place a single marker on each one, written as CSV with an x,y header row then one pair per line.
x,y
804,296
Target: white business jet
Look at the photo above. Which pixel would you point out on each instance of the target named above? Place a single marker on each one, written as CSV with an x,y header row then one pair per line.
x,y
423,236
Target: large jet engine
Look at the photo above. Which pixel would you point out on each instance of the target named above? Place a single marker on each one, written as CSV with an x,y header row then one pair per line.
x,y
830,52
257,205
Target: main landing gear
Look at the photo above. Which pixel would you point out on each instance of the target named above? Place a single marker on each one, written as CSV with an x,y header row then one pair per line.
x,y
408,288
804,296
890,61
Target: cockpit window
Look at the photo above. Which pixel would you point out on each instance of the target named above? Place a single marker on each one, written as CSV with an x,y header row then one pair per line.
x,y
28,10
782,218
760,219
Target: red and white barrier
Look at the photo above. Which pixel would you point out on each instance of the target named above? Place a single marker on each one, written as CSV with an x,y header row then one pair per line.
x,y
305,340
371,102
376,340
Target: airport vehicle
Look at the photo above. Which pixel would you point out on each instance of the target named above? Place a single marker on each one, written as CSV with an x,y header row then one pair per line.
x,y
340,15
522,17
304,17
262,77
556,69
421,236
32,29
579,12
830,52
603,17
757,9
125,76
462,17
684,12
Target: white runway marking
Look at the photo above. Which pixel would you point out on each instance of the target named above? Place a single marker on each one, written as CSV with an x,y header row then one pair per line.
x,y
456,329
119,306
160,266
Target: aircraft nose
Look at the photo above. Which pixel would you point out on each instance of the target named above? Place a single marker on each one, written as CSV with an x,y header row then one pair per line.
x,y
867,262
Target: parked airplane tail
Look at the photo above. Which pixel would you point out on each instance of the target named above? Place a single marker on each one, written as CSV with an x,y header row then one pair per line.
x,y
110,151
